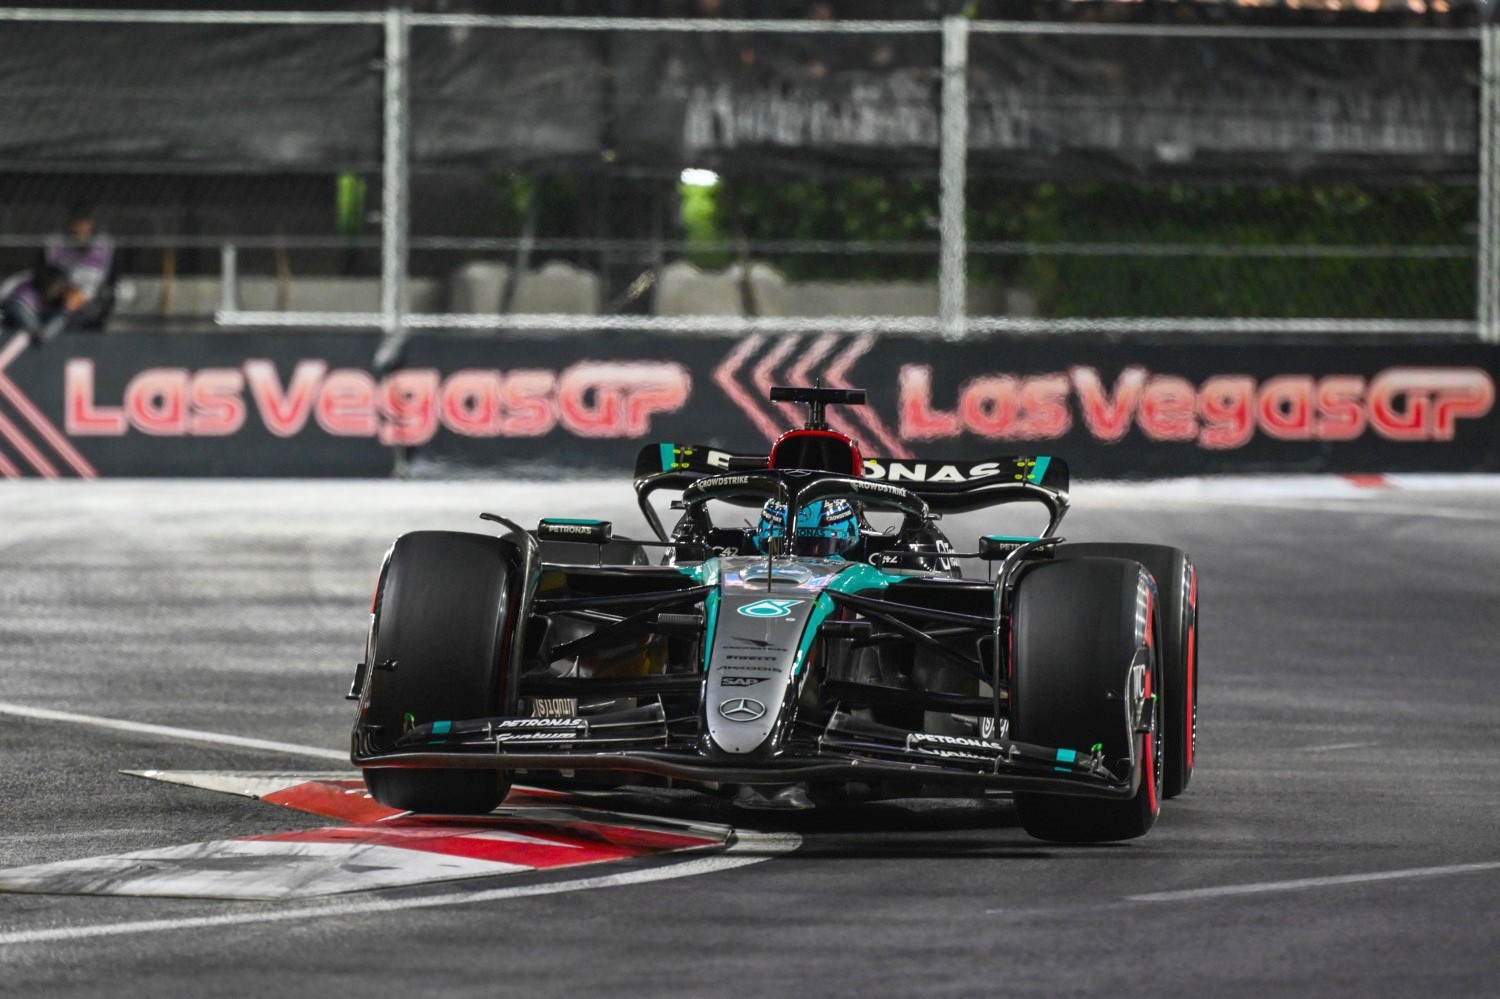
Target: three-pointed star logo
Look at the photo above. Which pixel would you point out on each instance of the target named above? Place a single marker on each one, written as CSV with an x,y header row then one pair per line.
x,y
742,709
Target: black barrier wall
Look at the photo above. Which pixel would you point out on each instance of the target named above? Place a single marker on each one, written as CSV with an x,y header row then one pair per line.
x,y
293,404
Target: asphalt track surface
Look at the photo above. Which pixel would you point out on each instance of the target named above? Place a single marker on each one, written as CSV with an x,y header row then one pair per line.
x,y
1340,836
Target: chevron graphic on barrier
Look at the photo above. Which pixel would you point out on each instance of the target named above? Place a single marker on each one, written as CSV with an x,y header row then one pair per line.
x,y
27,449
792,360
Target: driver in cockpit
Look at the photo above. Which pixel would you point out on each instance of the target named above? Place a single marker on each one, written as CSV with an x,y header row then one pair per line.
x,y
824,528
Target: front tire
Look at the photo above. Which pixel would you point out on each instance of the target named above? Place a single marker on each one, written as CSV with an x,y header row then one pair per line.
x,y
1177,593
1079,626
443,615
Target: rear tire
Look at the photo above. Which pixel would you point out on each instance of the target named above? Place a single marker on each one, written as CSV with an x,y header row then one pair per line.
x,y
1177,593
443,614
1076,635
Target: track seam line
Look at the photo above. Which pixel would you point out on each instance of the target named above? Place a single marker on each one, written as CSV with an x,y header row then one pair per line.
x,y
170,732
1340,505
1300,884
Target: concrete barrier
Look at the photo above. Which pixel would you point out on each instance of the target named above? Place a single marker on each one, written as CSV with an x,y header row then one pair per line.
x,y
477,287
199,297
684,290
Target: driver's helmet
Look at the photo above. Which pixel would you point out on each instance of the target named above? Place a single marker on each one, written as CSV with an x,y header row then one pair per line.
x,y
824,527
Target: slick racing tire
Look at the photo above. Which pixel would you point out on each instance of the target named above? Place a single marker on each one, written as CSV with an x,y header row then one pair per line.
x,y
443,616
1078,626
1177,594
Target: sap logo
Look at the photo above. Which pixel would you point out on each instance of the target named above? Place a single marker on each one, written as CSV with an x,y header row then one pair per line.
x,y
740,681
769,608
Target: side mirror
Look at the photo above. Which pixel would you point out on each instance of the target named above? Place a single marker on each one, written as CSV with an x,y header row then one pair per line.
x,y
593,532
995,547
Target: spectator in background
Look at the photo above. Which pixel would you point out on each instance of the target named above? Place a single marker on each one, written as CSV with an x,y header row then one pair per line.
x,y
88,259
35,303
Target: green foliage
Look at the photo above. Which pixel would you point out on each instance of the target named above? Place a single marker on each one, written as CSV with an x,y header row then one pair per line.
x,y
702,222
1217,228
556,199
349,204
866,208
1229,219
1227,278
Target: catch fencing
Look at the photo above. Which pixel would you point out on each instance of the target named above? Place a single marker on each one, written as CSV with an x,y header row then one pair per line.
x,y
402,172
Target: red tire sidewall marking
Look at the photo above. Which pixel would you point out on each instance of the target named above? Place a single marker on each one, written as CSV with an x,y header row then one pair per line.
x,y
1148,756
1190,733
1150,761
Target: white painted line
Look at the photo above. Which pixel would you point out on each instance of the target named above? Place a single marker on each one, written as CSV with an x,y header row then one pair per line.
x,y
171,732
1439,513
1337,746
1369,506
101,833
749,848
241,783
1456,482
1299,884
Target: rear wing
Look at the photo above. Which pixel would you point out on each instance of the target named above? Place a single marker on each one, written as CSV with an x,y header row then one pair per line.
x,y
680,465
970,485
957,486
677,466
946,486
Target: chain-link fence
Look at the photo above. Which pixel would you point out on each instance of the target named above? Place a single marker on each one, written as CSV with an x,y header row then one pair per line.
x,y
187,140
410,171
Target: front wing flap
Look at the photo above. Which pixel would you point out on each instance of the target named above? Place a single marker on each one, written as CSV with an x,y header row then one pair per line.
x,y
640,744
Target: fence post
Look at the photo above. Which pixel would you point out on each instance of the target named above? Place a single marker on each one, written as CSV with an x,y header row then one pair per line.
x,y
953,157
394,179
229,278
1488,274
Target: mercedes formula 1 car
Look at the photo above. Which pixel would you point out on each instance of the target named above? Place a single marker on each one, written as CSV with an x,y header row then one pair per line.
x,y
800,658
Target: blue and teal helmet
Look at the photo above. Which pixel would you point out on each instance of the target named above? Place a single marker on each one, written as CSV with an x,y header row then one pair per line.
x,y
824,527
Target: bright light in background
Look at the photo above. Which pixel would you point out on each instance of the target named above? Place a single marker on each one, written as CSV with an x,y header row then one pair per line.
x,y
694,177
